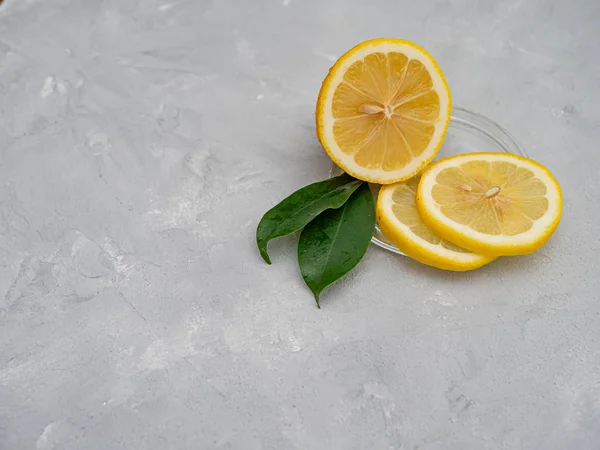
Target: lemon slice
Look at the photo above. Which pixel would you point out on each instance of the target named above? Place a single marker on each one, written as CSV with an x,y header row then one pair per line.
x,y
490,203
400,222
383,110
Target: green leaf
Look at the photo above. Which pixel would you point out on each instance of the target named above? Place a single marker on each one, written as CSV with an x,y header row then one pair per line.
x,y
301,207
335,241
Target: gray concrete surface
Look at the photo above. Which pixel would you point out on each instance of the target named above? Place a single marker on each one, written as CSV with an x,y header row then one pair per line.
x,y
141,141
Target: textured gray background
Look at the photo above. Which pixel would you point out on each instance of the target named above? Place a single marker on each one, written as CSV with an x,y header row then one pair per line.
x,y
141,141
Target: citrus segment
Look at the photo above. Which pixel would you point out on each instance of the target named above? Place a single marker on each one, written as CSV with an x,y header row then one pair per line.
x,y
492,203
400,222
383,110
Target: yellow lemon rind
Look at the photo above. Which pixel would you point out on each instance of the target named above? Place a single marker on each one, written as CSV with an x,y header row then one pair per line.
x,y
336,73
417,248
465,237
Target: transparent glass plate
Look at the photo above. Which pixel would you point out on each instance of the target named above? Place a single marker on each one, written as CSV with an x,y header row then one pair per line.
x,y
468,133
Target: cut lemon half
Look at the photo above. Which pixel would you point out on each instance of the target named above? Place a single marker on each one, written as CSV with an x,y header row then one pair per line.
x,y
400,222
490,203
383,110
